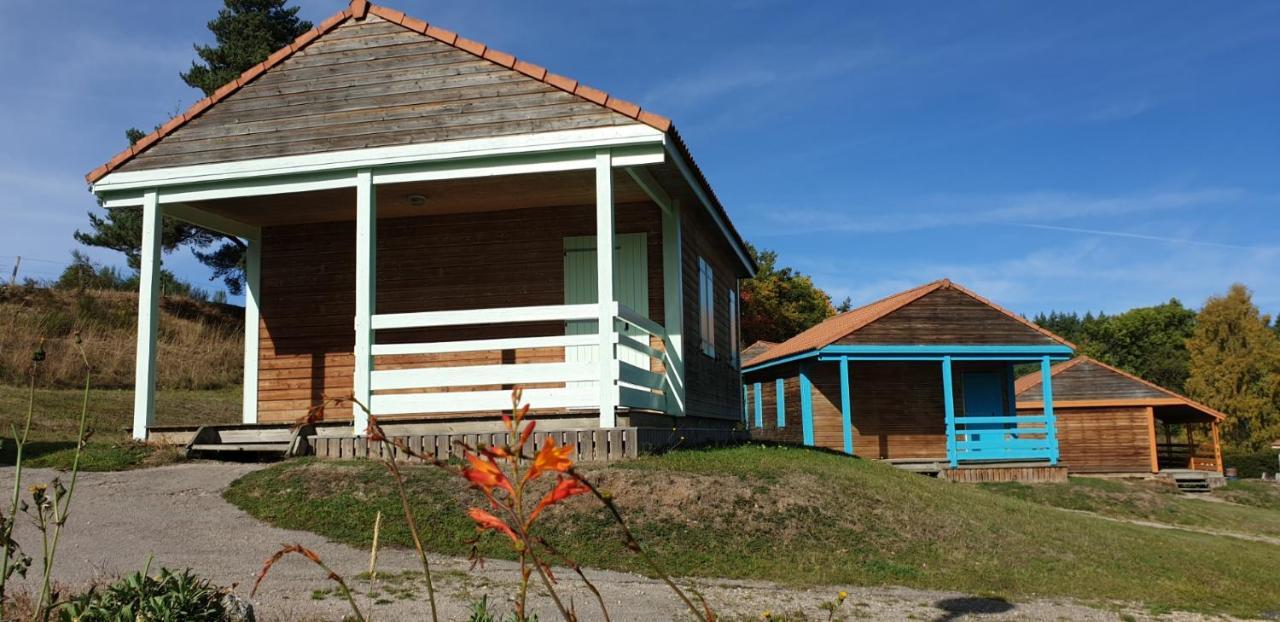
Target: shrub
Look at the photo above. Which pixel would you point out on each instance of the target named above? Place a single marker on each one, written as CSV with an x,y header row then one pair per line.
x,y
1253,464
166,596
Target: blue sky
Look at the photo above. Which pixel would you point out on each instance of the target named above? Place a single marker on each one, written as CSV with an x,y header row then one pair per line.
x,y
1075,156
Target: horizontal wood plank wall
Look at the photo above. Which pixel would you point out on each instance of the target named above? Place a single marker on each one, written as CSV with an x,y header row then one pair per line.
x,y
947,316
792,432
1087,381
1102,440
436,263
712,385
369,84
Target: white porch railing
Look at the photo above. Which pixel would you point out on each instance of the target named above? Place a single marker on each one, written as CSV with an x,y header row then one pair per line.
x,y
575,382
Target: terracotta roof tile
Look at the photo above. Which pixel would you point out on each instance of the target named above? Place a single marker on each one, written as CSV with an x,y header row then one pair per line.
x,y
656,121
359,8
827,332
595,95
502,58
414,24
623,106
442,35
560,82
475,47
388,14
529,69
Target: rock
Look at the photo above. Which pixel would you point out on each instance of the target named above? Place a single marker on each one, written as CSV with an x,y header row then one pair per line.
x,y
237,609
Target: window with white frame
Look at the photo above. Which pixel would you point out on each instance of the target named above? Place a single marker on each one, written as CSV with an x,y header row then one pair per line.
x,y
707,307
734,344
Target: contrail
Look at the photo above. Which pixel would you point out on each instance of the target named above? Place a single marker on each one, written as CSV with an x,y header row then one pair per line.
x,y
1140,236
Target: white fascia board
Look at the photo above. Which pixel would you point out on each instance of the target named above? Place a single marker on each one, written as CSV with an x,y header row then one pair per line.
x,y
687,171
594,138
545,162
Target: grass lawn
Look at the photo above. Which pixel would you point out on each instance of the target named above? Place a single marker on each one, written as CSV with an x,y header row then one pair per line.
x,y
804,517
1255,506
57,415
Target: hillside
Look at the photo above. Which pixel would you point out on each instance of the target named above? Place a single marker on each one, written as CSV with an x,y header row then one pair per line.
x,y
806,517
200,343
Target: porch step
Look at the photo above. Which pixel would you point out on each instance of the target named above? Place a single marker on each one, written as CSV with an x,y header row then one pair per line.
x,y
225,441
1193,481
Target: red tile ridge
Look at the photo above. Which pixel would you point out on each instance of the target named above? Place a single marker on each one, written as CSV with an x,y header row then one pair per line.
x,y
358,8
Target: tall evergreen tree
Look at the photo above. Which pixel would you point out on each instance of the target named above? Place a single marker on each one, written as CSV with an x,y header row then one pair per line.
x,y
246,32
780,302
1235,368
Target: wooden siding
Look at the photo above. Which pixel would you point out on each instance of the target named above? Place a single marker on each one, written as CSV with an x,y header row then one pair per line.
x,y
366,84
793,431
1103,440
1088,381
458,261
896,407
712,385
946,317
993,474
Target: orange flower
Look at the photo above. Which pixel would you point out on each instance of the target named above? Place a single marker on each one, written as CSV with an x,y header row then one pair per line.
x,y
486,521
550,458
485,474
565,487
524,436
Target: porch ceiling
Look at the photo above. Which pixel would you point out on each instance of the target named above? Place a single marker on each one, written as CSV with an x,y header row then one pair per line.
x,y
442,197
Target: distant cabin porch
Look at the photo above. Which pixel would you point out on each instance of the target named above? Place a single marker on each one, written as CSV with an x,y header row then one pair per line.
x,y
428,291
945,407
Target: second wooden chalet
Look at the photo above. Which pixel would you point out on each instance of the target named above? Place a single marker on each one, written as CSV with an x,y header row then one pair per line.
x,y
924,377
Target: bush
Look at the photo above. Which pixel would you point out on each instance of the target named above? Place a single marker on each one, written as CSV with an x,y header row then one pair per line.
x,y
166,596
1251,465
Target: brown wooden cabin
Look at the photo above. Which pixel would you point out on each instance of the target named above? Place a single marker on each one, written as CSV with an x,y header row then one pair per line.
x,y
1110,421
422,215
923,376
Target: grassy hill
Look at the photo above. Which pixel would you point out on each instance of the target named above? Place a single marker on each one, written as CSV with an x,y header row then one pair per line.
x,y
201,344
199,371
806,517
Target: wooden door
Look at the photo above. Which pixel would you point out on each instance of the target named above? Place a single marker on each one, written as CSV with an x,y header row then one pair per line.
x,y
630,285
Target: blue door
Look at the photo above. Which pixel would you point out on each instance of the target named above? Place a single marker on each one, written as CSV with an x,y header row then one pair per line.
x,y
983,397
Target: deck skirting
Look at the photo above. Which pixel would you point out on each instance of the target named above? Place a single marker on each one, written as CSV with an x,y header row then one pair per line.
x,y
590,444
1006,473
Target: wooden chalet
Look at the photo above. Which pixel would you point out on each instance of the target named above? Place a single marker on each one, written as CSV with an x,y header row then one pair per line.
x,y
422,215
922,377
1110,421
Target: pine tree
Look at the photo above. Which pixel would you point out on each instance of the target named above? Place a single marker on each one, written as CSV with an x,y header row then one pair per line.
x,y
1235,368
246,33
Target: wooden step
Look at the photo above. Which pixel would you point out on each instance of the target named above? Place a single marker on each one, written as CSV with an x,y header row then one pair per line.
x,y
273,447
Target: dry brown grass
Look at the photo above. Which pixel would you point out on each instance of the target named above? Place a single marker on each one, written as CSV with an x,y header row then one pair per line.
x,y
200,344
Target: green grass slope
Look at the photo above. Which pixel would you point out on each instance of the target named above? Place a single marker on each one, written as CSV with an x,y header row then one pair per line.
x,y
805,517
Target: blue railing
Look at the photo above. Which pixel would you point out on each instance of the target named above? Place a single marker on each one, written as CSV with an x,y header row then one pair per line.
x,y
1002,438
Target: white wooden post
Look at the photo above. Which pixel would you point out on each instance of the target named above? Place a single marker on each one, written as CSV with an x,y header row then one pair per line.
x,y
604,287
673,307
144,380
252,278
366,294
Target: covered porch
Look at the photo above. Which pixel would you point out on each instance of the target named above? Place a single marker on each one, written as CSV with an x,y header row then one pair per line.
x,y
428,284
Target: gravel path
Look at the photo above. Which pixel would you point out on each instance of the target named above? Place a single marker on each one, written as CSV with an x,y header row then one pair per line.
x,y
177,514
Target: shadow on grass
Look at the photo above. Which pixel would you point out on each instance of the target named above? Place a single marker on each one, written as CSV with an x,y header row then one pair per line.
x,y
34,450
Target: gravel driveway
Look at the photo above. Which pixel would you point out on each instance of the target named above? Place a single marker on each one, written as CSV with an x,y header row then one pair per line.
x,y
177,514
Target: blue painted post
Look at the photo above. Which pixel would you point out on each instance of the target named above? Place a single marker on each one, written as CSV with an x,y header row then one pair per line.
x,y
1050,422
759,406
746,403
806,405
844,405
949,406
1011,406
781,391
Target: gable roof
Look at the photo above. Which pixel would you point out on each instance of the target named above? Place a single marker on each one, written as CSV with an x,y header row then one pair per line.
x,y
358,10
1029,382
844,324
756,349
